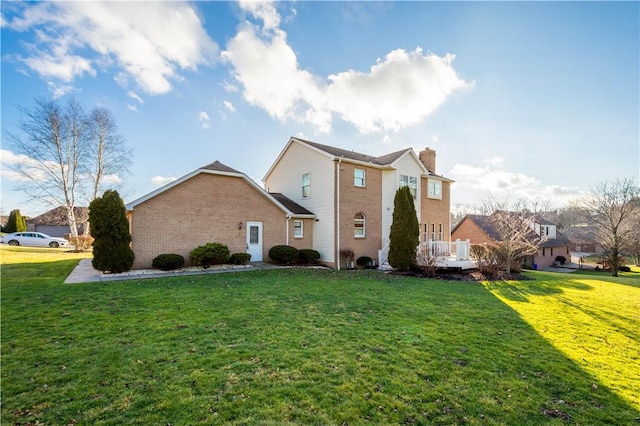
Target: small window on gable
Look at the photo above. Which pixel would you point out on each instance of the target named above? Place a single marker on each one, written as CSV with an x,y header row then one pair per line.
x,y
411,182
306,185
359,225
434,189
359,178
298,230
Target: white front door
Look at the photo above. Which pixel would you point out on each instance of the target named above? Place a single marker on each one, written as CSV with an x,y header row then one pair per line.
x,y
254,241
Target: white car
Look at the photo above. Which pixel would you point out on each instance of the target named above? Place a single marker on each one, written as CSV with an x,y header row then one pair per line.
x,y
35,239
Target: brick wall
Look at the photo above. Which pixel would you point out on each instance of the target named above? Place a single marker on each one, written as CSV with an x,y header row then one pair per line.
x,y
205,208
367,200
469,230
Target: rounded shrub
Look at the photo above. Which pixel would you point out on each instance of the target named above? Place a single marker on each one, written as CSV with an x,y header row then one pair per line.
x,y
624,269
210,254
168,262
240,258
308,255
284,254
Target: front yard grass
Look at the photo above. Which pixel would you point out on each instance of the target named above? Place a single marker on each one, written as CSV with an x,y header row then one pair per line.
x,y
315,347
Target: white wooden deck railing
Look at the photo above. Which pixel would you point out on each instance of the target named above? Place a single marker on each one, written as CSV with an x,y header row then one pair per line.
x,y
458,249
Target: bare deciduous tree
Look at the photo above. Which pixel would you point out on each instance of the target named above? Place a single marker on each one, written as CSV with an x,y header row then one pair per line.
x,y
109,159
67,154
613,209
514,229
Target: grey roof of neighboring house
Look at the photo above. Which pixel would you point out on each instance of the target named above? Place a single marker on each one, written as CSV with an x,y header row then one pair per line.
x,y
58,216
217,166
352,155
291,205
486,224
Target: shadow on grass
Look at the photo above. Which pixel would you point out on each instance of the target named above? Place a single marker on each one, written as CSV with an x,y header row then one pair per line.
x,y
296,347
522,291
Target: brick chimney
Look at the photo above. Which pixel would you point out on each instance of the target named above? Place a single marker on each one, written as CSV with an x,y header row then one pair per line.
x,y
428,158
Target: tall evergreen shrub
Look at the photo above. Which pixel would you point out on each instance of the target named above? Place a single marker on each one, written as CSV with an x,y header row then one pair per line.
x,y
110,230
405,231
16,222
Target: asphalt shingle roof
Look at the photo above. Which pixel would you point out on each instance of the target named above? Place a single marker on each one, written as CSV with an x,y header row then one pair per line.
x,y
217,166
383,160
58,216
291,205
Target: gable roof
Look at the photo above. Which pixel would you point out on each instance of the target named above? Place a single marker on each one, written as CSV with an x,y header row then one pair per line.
x,y
483,222
217,168
486,224
384,161
58,216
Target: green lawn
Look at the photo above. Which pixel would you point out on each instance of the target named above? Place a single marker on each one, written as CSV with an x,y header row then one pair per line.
x,y
315,347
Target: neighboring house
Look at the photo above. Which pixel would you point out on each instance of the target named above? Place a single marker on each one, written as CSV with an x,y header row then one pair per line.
x,y
352,195
582,239
215,203
56,223
480,229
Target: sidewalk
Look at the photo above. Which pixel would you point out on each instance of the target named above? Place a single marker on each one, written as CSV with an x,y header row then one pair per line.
x,y
84,272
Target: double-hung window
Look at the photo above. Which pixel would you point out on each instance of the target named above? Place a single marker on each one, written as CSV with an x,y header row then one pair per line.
x,y
359,178
434,189
359,225
306,185
411,182
298,230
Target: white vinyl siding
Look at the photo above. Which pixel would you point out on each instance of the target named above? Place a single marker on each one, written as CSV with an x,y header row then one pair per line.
x,y
285,178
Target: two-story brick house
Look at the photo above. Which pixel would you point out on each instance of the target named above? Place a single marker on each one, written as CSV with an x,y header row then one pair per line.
x,y
314,196
352,195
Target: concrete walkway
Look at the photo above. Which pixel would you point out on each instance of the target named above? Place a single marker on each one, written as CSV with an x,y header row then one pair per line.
x,y
84,272
567,267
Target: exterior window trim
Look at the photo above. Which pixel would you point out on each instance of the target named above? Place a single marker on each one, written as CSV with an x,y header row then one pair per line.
x,y
306,185
298,231
359,225
434,189
411,182
360,181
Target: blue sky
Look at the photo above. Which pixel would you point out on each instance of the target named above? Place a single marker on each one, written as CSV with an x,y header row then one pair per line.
x,y
536,101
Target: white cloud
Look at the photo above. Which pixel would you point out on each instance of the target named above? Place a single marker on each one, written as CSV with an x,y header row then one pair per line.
x,y
162,180
134,95
398,91
59,90
229,106
204,119
33,168
149,41
475,184
133,108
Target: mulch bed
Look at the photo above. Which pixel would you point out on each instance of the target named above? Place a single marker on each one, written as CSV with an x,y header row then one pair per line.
x,y
472,275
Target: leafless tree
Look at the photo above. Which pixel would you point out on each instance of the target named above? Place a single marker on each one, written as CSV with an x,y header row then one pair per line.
x,y
613,208
108,158
513,229
63,150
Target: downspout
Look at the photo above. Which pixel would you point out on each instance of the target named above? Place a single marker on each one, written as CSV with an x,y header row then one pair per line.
x,y
288,216
338,211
